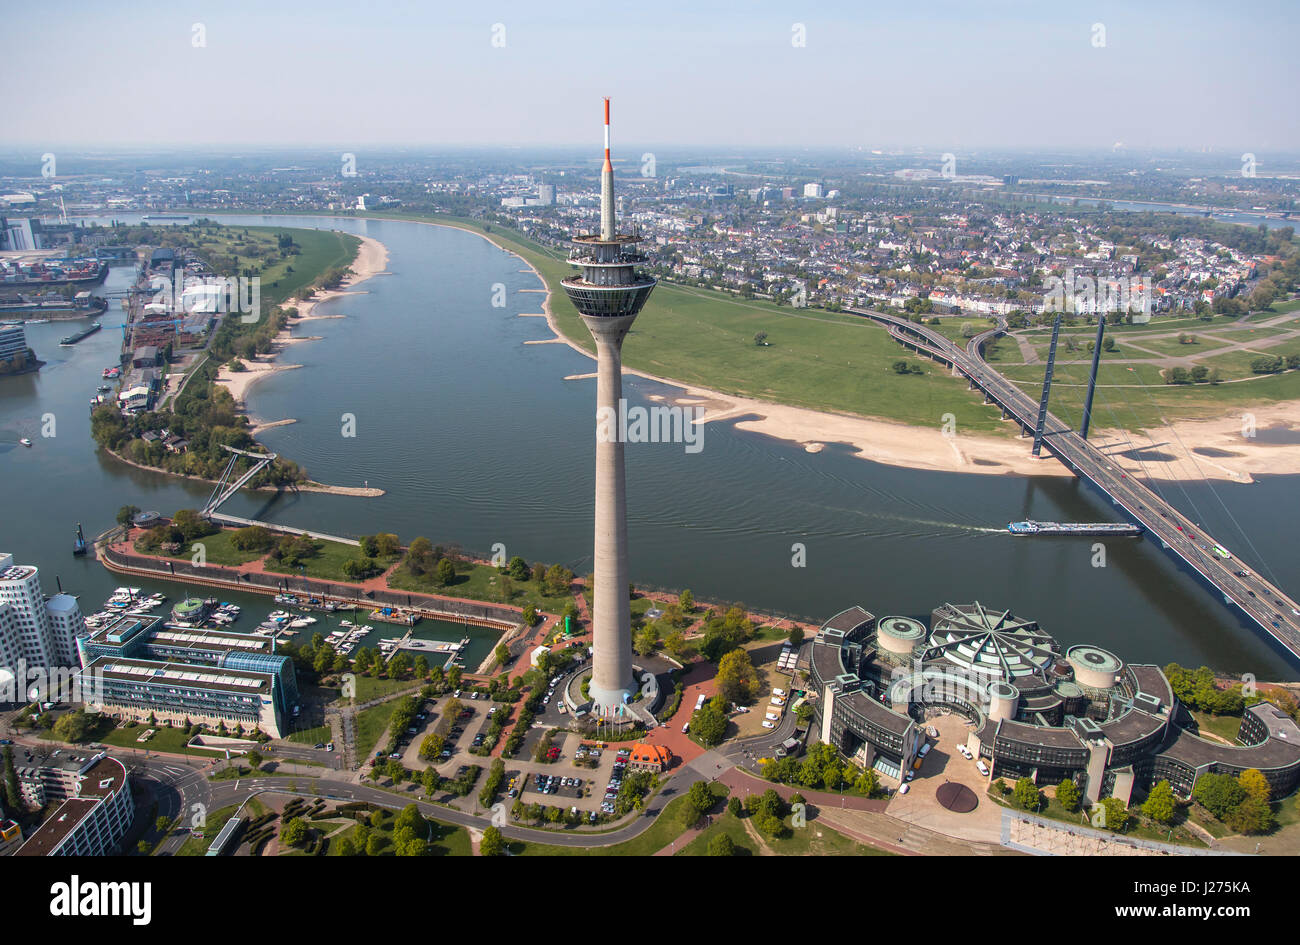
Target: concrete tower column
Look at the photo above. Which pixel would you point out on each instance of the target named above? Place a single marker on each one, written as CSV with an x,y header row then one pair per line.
x,y
611,676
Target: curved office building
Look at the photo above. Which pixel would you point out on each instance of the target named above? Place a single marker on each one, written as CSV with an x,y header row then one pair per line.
x,y
1035,709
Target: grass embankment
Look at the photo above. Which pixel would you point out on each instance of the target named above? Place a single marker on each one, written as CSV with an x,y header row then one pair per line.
x,y
444,839
813,358
327,563
479,582
814,839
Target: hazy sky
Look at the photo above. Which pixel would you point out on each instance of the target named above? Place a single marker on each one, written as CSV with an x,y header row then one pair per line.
x,y
947,75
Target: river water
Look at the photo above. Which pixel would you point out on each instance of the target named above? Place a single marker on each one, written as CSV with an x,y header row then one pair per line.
x,y
477,439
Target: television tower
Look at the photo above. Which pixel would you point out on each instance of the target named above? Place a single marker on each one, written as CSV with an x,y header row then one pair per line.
x,y
608,295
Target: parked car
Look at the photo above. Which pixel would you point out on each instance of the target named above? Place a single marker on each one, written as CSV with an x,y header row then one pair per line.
x,y
904,788
983,768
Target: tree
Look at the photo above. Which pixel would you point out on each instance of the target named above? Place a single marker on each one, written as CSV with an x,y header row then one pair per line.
x,y
1252,816
709,725
294,832
647,638
760,338
686,600
1026,794
1255,784
73,726
127,513
736,677
698,801
1067,795
1159,805
796,636
409,818
431,747
1177,375
492,843
1220,794
1116,814
254,759
445,572
721,845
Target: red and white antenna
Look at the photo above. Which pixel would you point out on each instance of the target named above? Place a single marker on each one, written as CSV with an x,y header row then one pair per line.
x,y
608,166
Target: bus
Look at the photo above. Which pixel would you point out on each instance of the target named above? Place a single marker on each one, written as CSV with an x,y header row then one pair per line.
x,y
1221,552
699,703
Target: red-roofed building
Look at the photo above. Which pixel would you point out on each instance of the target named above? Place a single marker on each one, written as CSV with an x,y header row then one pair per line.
x,y
647,757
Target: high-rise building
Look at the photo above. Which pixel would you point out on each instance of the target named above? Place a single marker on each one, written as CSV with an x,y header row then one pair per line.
x,y
41,633
813,190
546,195
608,295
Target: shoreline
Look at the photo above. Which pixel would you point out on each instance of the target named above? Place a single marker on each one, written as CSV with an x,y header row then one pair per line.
x,y
371,260
309,486
1210,442
910,447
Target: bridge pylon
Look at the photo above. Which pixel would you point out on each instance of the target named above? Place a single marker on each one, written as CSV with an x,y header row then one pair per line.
x,y
1047,387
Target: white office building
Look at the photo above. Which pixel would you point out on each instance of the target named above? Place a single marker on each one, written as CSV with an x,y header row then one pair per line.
x,y
814,190
41,633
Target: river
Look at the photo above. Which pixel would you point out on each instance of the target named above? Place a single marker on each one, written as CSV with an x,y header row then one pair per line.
x,y
477,439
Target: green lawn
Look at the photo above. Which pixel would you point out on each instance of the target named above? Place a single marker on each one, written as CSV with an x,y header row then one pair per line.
x,y
326,564
814,839
371,724
445,839
163,739
666,827
814,358
217,549
1225,726
310,736
479,582
216,819
1145,400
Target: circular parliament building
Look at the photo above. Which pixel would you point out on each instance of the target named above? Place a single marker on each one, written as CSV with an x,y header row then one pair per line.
x,y
1036,710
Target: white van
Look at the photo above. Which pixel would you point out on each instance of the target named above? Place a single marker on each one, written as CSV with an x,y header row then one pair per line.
x,y
984,769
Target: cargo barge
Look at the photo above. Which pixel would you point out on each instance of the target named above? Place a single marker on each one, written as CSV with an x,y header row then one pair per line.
x,y
84,333
1031,527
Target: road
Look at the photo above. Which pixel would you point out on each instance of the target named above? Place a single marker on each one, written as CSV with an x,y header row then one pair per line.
x,y
1265,604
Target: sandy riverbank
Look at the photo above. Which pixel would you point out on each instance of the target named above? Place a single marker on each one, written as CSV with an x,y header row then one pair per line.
x,y
1184,450
372,259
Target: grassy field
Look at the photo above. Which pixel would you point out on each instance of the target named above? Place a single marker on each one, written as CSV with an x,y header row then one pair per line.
x,y
1225,726
327,564
310,736
371,724
479,582
841,363
445,839
815,839
667,827
216,819
163,739
217,549
815,359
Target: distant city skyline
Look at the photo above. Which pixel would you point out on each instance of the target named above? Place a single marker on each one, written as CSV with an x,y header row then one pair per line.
x,y
949,76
